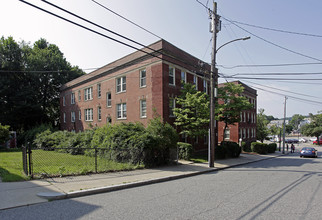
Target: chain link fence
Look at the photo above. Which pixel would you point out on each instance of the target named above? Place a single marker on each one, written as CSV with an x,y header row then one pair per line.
x,y
58,162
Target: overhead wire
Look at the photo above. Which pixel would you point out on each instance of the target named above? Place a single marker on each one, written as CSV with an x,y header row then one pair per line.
x,y
276,30
113,39
126,19
268,65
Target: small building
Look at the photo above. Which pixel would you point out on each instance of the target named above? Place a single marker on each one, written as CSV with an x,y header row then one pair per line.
x,y
138,86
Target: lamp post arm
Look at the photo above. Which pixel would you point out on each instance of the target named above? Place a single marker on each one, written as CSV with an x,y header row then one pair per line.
x,y
244,38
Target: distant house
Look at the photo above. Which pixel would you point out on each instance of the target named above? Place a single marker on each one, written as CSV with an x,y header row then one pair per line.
x,y
135,87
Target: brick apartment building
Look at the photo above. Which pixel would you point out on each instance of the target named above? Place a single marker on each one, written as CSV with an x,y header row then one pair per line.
x,y
136,87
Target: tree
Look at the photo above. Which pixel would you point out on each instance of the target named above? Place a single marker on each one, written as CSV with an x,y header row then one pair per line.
x,y
232,104
295,121
192,113
314,128
30,82
4,133
261,126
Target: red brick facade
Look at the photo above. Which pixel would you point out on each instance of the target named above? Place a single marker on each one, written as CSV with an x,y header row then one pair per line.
x,y
121,82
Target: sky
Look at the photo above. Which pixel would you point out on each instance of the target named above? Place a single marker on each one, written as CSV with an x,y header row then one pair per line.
x,y
296,41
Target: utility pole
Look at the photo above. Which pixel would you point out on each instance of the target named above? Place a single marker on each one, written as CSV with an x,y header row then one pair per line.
x,y
213,92
284,125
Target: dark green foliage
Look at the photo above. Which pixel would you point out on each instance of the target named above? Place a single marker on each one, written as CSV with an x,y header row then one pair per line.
x,y
30,81
220,152
185,150
246,146
259,148
28,136
122,142
272,147
232,149
4,133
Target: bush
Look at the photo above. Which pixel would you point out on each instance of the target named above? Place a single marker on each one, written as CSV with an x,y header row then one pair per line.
x,y
260,148
232,149
272,147
246,146
28,137
185,150
220,152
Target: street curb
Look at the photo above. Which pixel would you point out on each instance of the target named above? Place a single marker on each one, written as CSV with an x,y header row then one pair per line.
x,y
75,194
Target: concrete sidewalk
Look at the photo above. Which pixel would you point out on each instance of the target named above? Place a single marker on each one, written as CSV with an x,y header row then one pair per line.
x,y
15,194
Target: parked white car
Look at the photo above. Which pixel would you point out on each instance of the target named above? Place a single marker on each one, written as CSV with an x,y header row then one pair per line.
x,y
303,140
313,139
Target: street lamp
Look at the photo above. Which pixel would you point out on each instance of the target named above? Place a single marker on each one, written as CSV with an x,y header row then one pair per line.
x,y
214,71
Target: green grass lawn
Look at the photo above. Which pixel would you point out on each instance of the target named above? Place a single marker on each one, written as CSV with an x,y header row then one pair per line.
x,y
51,163
11,166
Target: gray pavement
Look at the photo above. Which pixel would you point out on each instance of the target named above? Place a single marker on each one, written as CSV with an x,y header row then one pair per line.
x,y
15,194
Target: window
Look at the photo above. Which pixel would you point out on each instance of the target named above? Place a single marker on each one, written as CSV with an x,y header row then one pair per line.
x,y
79,96
171,75
108,99
143,78
79,115
227,134
143,108
121,84
64,101
99,113
172,105
89,114
248,133
72,98
183,78
121,111
195,81
241,117
88,93
108,120
99,92
72,116
64,117
205,86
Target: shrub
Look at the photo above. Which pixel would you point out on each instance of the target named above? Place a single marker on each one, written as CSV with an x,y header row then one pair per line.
x,y
272,147
260,148
246,146
220,152
232,149
185,150
28,137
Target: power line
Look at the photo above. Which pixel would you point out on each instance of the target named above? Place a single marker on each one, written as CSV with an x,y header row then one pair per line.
x,y
268,65
258,78
113,39
281,89
277,74
126,19
277,30
274,44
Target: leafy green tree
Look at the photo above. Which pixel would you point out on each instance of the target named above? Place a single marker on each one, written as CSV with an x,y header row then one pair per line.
x,y
295,121
314,128
233,103
261,126
4,133
30,80
192,111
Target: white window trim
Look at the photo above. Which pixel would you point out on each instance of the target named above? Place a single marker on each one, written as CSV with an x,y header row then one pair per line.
x,y
72,98
99,90
141,78
108,101
173,83
121,85
122,111
79,96
141,109
80,115
88,93
185,78
195,81
89,114
99,113
72,117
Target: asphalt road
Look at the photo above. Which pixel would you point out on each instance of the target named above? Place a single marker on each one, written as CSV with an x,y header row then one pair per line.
x,y
286,187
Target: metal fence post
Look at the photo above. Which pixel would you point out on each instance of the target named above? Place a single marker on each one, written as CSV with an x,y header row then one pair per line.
x,y
30,173
95,160
24,160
